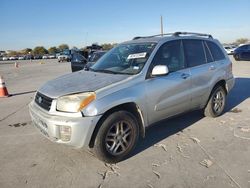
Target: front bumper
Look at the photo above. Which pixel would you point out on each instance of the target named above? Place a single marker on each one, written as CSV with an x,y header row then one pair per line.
x,y
81,127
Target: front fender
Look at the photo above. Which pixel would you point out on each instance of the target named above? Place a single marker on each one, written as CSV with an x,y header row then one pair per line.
x,y
132,94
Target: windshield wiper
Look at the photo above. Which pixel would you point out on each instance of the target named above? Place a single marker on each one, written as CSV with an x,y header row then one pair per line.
x,y
104,71
109,71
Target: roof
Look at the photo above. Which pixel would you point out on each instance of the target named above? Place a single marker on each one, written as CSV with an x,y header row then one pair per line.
x,y
157,38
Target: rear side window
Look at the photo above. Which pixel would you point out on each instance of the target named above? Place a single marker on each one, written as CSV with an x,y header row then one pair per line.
x,y
208,54
170,54
216,51
194,52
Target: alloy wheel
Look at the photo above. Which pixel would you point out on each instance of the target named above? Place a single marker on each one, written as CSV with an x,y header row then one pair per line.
x,y
119,137
218,102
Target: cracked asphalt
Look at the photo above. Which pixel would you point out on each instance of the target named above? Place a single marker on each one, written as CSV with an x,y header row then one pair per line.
x,y
187,151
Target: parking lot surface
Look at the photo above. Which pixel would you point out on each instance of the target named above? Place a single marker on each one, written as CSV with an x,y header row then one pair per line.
x,y
187,151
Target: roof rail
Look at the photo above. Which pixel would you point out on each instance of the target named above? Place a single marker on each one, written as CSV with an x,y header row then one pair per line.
x,y
159,35
177,34
191,33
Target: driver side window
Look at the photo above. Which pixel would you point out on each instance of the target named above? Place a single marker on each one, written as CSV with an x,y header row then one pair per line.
x,y
170,54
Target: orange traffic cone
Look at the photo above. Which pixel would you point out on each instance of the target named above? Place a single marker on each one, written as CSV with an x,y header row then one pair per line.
x,y
3,89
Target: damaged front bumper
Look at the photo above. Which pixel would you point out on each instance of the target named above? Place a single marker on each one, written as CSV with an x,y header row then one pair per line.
x,y
74,131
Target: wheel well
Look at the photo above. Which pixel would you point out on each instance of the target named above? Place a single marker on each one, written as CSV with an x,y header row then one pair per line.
x,y
130,107
220,83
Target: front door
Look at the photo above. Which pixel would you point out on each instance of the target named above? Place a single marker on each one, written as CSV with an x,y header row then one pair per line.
x,y
170,94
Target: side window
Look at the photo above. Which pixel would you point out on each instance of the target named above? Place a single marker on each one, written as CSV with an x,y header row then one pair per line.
x,y
208,53
194,52
170,54
216,51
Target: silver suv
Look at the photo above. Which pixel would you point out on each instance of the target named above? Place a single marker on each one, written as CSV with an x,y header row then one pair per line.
x,y
132,86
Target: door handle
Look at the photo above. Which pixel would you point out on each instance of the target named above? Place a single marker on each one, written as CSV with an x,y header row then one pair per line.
x,y
185,76
212,67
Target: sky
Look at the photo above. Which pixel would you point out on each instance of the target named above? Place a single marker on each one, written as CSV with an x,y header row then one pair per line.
x,y
30,23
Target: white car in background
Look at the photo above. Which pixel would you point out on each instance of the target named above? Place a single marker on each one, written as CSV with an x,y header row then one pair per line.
x,y
52,56
229,50
5,58
45,57
21,58
63,57
13,58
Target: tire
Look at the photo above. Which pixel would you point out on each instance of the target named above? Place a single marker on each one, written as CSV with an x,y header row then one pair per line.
x,y
237,57
118,127
216,103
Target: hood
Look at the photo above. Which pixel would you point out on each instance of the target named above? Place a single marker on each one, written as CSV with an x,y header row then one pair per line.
x,y
77,82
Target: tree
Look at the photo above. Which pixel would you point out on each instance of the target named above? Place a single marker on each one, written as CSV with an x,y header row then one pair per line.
x,y
107,46
40,50
63,47
53,50
26,51
13,53
242,41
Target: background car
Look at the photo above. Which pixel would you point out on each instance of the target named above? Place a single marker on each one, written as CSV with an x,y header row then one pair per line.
x,y
242,53
5,58
93,58
28,57
13,58
21,58
63,57
52,56
229,50
45,57
37,57
78,62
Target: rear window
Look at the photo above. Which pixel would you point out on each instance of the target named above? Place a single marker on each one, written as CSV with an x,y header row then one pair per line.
x,y
194,52
216,51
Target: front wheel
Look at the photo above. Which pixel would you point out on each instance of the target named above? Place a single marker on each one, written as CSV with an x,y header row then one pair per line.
x,y
237,57
116,137
216,103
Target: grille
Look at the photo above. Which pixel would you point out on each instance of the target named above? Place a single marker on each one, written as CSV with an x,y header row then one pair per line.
x,y
43,101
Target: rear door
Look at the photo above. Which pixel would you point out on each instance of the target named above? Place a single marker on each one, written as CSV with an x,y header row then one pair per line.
x,y
170,94
202,68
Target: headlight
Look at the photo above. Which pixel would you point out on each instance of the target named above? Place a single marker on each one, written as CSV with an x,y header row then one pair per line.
x,y
75,103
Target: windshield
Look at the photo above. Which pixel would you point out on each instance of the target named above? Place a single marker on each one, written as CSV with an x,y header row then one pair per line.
x,y
124,59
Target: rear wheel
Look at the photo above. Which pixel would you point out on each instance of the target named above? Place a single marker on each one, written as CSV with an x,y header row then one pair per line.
x,y
116,137
216,103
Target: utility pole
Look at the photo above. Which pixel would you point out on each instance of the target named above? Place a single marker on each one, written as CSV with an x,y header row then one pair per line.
x,y
161,26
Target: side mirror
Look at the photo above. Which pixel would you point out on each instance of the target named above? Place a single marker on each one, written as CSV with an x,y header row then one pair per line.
x,y
160,70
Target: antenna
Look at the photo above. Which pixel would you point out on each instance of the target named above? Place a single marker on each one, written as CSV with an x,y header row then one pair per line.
x,y
161,26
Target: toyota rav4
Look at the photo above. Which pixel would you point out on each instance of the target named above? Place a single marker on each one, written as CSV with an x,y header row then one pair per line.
x,y
132,86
